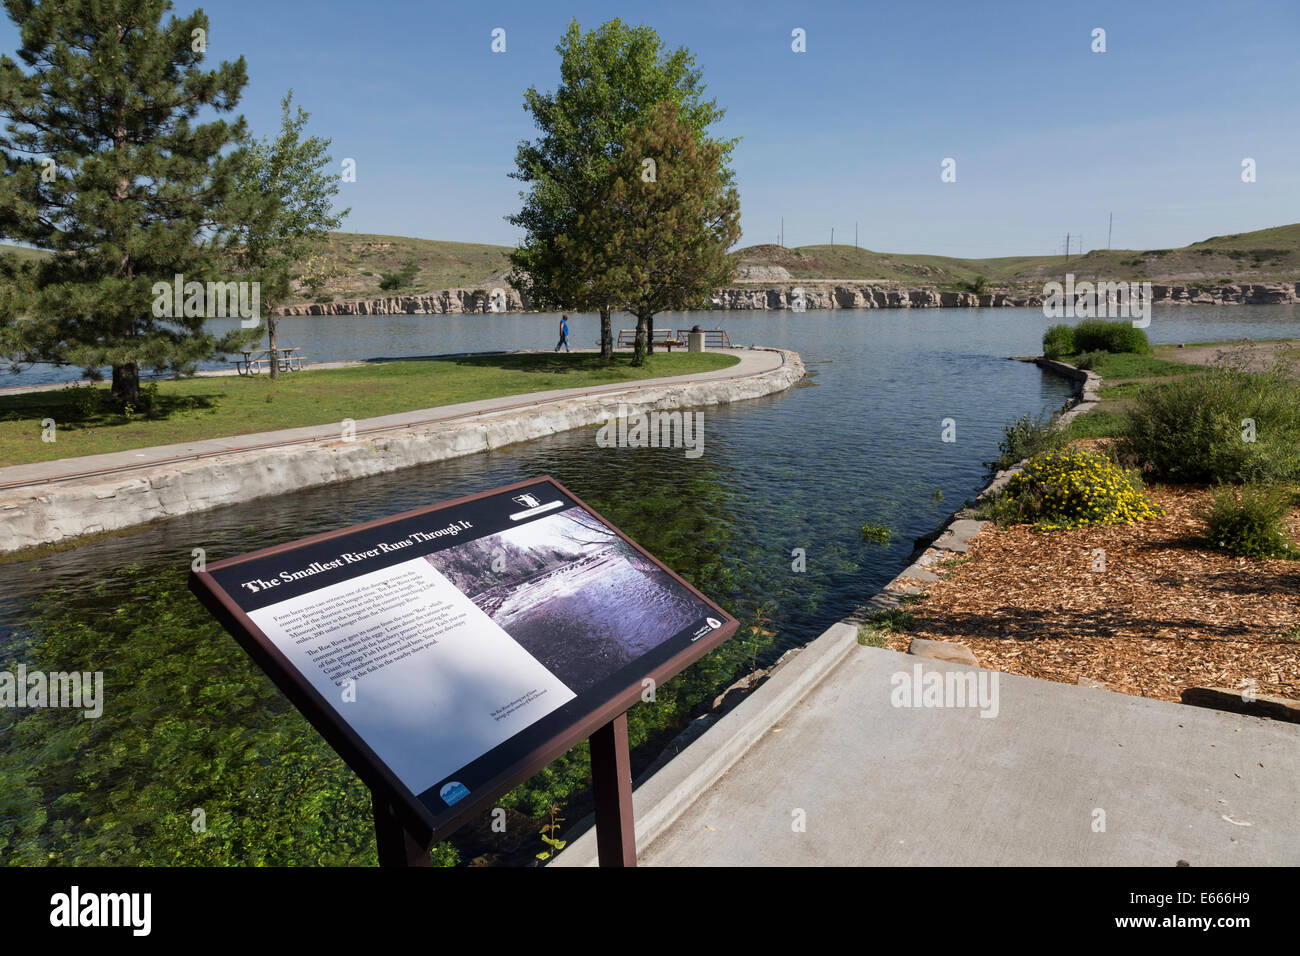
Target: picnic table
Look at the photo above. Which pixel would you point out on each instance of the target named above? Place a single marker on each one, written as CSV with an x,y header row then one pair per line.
x,y
664,337
288,357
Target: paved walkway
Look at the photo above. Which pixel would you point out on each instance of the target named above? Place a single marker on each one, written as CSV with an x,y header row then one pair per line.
x,y
752,362
877,784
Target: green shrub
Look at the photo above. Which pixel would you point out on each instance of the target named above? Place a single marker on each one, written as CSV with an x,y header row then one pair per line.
x,y
1068,489
1089,361
1024,438
1058,341
1224,425
396,280
88,400
1251,523
1102,335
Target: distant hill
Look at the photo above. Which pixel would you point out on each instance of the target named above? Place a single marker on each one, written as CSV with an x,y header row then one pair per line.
x,y
1265,255
362,261
357,265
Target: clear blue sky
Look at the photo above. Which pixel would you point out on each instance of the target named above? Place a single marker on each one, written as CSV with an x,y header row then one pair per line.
x,y
1048,136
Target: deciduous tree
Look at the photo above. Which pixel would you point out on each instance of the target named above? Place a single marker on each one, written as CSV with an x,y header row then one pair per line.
x,y
292,190
610,77
663,223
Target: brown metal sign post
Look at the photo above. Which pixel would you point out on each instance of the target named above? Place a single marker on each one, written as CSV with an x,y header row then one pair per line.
x,y
611,786
396,846
444,674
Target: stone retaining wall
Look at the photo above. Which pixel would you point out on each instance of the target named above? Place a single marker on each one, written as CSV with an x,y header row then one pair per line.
x,y
43,514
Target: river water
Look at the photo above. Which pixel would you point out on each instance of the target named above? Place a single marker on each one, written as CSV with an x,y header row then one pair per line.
x,y
859,442
767,521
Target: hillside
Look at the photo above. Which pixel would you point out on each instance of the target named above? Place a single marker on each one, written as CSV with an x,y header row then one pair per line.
x,y
1265,255
357,265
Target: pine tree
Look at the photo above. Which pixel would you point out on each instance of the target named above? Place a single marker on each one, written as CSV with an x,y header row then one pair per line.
x,y
106,168
293,191
610,77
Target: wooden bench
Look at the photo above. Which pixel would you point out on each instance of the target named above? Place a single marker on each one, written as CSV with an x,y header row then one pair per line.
x,y
255,361
664,337
713,338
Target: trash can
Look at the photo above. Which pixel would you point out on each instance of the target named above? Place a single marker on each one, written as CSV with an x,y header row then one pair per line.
x,y
695,340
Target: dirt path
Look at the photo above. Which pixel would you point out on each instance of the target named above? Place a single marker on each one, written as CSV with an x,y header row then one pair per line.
x,y
1255,356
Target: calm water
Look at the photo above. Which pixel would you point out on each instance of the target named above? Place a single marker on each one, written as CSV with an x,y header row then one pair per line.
x,y
859,441
1015,331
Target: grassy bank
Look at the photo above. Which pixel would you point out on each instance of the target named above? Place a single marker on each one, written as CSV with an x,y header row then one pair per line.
x,y
88,422
1124,376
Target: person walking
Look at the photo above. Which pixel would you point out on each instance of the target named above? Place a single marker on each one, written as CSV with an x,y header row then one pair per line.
x,y
564,334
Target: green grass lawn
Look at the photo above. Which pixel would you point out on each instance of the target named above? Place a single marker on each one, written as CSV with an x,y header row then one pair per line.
x,y
1123,376
1127,365
196,408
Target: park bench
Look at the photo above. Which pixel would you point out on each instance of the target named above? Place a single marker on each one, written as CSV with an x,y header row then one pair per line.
x,y
664,337
289,358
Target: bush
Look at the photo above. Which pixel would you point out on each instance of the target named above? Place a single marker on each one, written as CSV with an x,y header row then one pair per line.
x,y
396,280
1101,335
1224,425
1089,361
88,400
1024,438
1068,489
1251,523
1058,341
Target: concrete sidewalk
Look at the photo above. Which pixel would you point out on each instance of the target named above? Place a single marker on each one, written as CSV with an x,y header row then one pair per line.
x,y
752,362
876,784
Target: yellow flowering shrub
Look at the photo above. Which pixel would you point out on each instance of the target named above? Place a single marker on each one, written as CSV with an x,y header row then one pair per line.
x,y
1058,490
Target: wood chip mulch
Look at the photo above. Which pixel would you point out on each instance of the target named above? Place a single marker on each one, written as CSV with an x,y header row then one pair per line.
x,y
1168,612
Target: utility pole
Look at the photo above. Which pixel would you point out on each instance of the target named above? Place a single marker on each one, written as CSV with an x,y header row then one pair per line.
x,y
1067,249
832,237
1109,224
855,235
783,232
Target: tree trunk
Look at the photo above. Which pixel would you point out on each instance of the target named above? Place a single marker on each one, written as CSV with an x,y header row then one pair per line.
x,y
606,335
126,383
650,335
270,338
638,356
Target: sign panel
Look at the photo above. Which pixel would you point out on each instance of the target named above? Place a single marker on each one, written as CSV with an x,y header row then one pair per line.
x,y
450,652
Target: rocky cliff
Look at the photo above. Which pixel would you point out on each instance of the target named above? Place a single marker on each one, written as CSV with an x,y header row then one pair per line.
x,y
866,296
815,295
446,302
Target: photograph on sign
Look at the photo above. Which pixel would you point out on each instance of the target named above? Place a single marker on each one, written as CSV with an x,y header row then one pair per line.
x,y
455,640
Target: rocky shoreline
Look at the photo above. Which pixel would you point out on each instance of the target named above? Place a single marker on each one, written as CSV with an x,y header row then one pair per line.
x,y
816,295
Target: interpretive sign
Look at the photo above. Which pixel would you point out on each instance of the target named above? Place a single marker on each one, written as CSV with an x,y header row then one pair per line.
x,y
450,652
